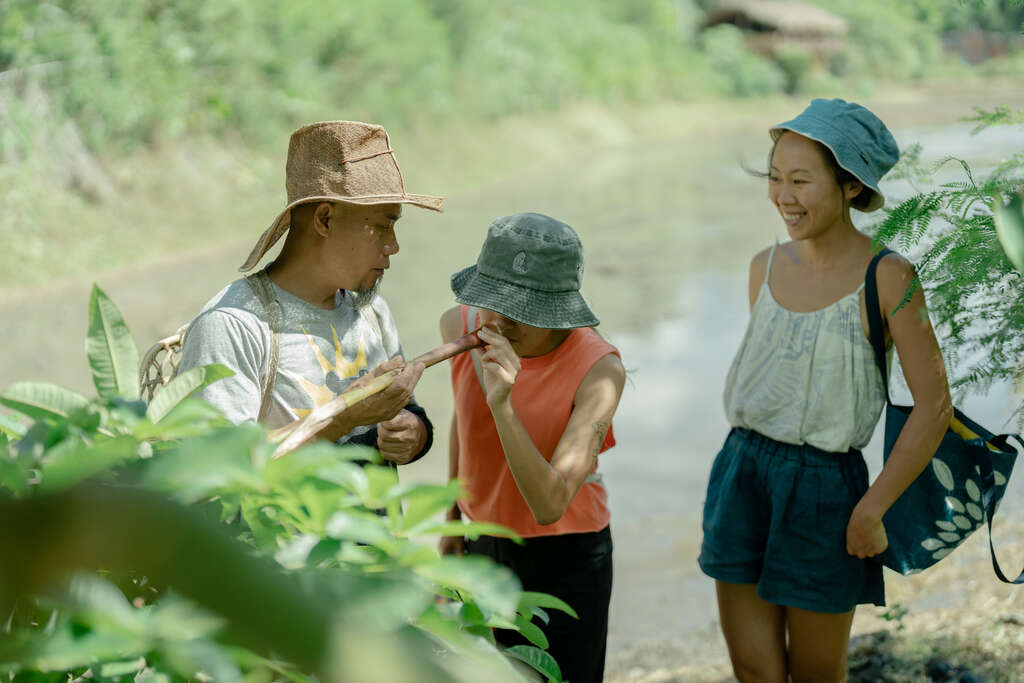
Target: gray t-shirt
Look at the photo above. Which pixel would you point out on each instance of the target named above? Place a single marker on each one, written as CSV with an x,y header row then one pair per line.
x,y
322,351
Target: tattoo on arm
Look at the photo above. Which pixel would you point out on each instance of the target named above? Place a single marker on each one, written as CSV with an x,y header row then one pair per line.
x,y
600,429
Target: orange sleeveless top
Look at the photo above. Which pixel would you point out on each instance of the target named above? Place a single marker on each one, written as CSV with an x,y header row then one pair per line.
x,y
543,398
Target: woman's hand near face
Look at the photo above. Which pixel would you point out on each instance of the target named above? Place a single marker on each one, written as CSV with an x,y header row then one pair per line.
x,y
500,365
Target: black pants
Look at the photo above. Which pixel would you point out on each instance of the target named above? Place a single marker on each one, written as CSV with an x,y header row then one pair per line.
x,y
576,568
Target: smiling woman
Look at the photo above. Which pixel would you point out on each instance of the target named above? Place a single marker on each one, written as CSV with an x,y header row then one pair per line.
x,y
789,518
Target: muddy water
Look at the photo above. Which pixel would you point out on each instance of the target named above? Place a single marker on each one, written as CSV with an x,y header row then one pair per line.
x,y
669,229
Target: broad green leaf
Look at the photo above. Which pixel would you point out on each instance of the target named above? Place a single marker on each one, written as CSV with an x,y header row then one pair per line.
x,y
113,356
494,587
74,461
185,384
1009,220
533,599
11,427
531,631
40,400
539,660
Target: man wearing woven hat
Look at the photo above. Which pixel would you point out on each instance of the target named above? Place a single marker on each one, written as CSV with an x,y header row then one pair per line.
x,y
311,323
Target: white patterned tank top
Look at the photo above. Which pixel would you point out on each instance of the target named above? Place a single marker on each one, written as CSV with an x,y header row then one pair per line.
x,y
806,377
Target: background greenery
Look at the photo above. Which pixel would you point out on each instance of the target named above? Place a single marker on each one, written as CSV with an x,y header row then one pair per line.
x,y
104,99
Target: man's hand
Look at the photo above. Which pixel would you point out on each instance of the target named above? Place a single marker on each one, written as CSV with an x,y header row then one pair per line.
x,y
401,438
383,405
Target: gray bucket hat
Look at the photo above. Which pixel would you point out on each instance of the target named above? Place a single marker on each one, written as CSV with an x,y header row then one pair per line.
x,y
529,270
858,140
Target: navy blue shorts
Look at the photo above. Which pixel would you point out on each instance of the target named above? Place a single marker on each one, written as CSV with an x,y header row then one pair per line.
x,y
776,514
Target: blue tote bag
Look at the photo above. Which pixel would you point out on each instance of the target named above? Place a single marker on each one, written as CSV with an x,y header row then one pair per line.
x,y
957,492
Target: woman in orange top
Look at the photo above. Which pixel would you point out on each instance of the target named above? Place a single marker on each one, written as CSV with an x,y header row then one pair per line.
x,y
532,413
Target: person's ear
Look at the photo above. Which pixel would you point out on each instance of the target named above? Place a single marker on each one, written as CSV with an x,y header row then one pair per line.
x,y
322,218
852,189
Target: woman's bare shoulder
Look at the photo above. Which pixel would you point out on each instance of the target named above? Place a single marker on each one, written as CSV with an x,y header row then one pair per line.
x,y
451,324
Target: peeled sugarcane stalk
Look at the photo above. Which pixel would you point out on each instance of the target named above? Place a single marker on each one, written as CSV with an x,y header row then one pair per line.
x,y
293,435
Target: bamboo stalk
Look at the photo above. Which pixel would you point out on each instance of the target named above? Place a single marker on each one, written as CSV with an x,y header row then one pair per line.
x,y
293,435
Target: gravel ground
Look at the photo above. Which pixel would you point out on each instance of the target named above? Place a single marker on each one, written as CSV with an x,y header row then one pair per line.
x,y
954,622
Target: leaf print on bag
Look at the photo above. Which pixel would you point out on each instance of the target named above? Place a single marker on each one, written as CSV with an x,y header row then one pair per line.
x,y
939,554
949,536
944,525
975,512
942,472
954,504
999,478
932,544
973,491
962,522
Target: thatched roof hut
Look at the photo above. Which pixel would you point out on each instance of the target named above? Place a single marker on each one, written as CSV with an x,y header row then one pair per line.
x,y
768,23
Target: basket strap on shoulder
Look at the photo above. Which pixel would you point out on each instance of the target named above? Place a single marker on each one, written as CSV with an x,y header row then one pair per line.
x,y
264,291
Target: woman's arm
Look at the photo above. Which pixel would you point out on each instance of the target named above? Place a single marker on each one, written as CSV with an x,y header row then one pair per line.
x,y
925,372
549,487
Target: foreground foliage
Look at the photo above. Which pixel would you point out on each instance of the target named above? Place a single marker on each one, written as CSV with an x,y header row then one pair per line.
x,y
975,294
326,573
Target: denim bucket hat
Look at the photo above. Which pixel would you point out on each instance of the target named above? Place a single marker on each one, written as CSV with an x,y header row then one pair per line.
x,y
529,270
858,139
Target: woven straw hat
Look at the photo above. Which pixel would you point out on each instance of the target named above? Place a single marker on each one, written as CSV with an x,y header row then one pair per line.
x,y
339,161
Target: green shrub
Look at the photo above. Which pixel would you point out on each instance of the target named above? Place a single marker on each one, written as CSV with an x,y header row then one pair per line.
x,y
332,580
735,69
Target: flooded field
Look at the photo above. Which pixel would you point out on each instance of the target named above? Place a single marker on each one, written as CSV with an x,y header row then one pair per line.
x,y
669,227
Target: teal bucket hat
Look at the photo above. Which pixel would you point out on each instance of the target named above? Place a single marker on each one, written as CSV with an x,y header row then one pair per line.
x,y
857,138
529,270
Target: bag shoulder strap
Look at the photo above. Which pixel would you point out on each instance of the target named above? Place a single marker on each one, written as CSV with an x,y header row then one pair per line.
x,y
263,289
878,344
369,314
874,310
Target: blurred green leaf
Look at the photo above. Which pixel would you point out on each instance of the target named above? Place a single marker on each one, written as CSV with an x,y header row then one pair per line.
x,y
40,400
1009,220
182,386
75,461
116,669
190,417
113,356
12,427
361,527
494,587
424,501
471,530
221,462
